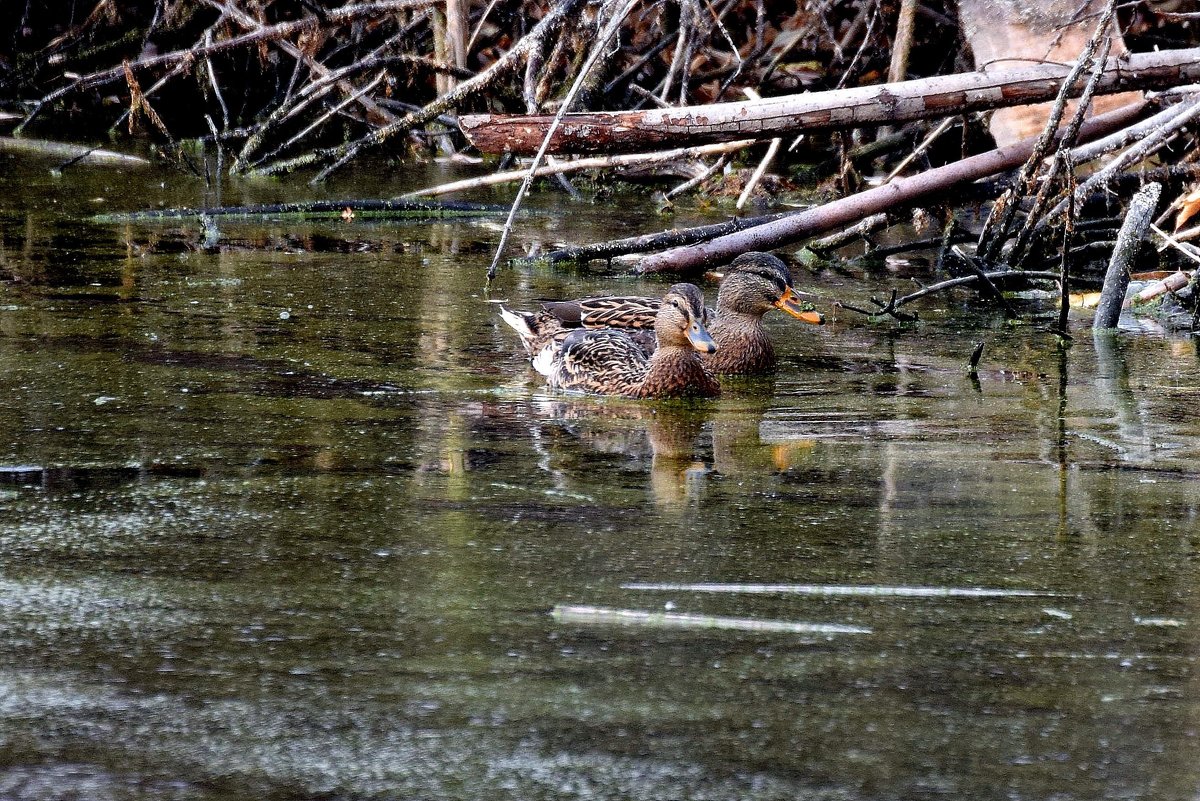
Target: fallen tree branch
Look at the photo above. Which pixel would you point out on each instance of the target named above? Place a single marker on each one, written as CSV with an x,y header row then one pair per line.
x,y
901,192
892,307
625,131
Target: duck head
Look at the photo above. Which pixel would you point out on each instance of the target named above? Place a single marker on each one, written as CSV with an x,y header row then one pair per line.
x,y
755,283
681,319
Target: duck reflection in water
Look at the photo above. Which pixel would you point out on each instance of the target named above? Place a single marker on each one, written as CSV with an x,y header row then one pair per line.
x,y
681,447
667,436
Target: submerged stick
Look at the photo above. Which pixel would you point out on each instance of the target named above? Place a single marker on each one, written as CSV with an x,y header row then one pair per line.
x,y
679,620
315,210
1129,244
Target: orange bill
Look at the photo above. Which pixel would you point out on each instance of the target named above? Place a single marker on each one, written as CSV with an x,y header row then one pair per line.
x,y
790,303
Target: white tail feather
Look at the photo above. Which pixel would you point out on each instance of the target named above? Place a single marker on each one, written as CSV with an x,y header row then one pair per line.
x,y
543,360
517,322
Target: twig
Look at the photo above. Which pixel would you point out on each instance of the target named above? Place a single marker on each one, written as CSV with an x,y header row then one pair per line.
x,y
609,31
578,165
691,183
847,235
1187,249
972,264
761,169
999,220
920,149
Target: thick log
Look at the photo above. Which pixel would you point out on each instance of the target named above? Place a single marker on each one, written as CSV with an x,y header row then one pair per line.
x,y
898,194
942,96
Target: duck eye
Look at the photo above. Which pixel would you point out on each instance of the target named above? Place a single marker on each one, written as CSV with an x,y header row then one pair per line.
x,y
675,303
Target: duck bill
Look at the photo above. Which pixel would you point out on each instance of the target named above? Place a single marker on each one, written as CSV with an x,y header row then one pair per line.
x,y
790,303
698,335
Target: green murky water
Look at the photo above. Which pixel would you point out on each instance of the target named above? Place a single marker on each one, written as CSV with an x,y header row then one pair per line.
x,y
295,521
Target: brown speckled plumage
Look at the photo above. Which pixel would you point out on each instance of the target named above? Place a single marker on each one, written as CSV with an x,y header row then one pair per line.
x,y
754,283
607,361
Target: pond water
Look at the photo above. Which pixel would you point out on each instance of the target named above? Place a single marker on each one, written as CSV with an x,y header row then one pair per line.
x,y
294,520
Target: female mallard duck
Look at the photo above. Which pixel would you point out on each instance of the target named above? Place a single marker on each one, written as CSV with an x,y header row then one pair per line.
x,y
754,283
607,361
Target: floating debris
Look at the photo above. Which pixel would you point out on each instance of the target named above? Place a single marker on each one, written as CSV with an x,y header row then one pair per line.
x,y
867,591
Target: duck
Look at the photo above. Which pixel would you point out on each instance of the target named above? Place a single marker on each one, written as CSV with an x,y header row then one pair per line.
x,y
608,361
753,284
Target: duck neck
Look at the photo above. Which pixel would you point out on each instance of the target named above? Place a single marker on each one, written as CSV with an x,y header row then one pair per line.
x,y
742,344
677,372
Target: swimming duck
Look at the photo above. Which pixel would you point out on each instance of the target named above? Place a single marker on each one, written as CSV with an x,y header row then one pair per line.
x,y
607,361
754,283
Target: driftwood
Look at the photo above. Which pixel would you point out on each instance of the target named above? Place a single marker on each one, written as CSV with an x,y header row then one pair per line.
x,y
623,131
1129,244
899,193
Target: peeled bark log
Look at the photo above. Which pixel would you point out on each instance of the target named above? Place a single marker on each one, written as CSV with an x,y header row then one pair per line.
x,y
942,96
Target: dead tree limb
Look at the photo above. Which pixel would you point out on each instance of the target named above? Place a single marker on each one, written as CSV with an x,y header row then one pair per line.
x,y
899,193
623,131
1129,243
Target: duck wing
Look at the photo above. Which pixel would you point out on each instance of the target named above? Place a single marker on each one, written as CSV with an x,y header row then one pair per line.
x,y
628,311
603,361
